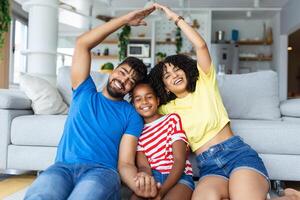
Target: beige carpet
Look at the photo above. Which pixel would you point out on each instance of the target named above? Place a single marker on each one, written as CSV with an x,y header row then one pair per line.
x,y
14,184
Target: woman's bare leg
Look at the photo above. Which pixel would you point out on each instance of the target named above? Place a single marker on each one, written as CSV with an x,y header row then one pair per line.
x,y
212,188
248,184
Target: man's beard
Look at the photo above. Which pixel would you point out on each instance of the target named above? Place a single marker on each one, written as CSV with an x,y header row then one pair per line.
x,y
113,93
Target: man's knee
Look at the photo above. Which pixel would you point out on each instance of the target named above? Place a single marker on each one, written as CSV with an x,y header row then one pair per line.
x,y
42,195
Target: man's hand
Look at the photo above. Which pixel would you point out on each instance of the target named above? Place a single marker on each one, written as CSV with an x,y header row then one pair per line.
x,y
171,15
136,18
146,185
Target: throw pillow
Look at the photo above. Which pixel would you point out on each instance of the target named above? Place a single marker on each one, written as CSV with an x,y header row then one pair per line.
x,y
64,82
45,98
251,96
290,107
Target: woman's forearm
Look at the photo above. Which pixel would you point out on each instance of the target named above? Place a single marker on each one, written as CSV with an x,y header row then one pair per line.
x,y
192,35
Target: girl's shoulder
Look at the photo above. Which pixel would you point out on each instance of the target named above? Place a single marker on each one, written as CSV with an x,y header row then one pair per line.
x,y
174,116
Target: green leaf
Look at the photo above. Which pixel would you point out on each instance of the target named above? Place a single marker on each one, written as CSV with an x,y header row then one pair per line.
x,y
4,21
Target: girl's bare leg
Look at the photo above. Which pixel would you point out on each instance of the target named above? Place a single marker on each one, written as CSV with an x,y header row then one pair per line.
x,y
179,192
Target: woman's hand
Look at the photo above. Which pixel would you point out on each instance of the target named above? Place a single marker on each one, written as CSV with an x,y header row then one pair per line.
x,y
136,18
203,57
171,15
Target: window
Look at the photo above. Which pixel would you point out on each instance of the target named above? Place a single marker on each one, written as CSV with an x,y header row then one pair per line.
x,y
19,30
64,57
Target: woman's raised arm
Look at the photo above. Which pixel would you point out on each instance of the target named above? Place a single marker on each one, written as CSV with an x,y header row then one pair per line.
x,y
203,57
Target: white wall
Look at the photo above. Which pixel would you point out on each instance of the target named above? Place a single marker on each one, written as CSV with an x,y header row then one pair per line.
x,y
290,17
280,56
289,22
248,28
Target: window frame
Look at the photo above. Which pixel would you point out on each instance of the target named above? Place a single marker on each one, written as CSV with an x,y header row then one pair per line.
x,y
16,17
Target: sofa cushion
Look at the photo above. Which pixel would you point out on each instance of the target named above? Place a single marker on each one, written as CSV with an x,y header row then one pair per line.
x,y
250,96
291,119
290,107
30,157
37,130
269,137
64,82
14,99
45,98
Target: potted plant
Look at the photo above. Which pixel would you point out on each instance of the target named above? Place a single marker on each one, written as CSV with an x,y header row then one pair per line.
x,y
123,41
4,21
178,40
107,67
160,56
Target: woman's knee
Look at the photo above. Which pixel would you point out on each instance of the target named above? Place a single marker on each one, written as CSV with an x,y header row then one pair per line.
x,y
207,193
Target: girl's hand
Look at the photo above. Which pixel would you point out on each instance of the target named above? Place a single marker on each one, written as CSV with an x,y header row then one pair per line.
x,y
136,18
171,15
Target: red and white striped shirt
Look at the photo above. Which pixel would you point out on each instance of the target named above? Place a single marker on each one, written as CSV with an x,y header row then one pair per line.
x,y
156,142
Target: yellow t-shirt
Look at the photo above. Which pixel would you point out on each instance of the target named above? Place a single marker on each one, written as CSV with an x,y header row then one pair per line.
x,y
202,112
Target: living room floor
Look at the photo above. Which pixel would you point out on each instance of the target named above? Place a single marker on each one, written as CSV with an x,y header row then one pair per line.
x,y
12,186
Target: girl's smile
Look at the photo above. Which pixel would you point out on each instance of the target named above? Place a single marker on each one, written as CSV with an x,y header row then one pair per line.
x,y
146,102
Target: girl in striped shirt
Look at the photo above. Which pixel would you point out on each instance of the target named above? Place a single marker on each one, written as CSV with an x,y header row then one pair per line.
x,y
162,147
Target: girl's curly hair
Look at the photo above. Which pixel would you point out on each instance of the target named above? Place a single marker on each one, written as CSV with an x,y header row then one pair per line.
x,y
187,64
143,81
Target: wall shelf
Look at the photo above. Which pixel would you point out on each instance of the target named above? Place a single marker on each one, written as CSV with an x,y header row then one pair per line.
x,y
254,42
188,54
166,42
264,58
109,42
105,57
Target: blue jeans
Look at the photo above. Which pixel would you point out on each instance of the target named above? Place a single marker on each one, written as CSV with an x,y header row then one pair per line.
x,y
186,180
224,158
75,181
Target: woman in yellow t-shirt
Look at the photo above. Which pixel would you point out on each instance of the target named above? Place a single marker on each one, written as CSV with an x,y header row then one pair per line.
x,y
229,168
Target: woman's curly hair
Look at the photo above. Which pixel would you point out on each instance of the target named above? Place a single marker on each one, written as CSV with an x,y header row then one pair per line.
x,y
187,64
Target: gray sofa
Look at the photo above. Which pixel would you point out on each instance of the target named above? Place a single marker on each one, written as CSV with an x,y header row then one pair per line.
x,y
28,141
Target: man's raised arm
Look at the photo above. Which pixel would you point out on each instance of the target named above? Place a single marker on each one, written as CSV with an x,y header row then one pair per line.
x,y
81,62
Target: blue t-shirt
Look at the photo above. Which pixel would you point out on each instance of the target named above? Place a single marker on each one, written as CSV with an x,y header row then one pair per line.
x,y
95,126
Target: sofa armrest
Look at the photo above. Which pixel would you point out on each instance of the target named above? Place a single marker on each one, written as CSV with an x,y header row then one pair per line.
x,y
290,107
6,117
14,99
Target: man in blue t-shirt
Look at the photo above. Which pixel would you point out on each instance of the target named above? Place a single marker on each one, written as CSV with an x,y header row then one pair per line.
x,y
100,135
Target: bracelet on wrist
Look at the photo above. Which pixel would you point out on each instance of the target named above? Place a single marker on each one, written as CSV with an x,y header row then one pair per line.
x,y
178,19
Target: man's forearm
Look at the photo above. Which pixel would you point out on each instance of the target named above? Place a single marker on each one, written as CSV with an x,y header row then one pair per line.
x,y
128,173
95,36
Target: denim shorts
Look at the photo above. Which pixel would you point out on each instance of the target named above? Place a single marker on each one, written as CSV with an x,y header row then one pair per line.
x,y
184,179
224,158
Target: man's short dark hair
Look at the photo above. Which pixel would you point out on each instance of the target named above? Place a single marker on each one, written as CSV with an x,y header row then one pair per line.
x,y
138,66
